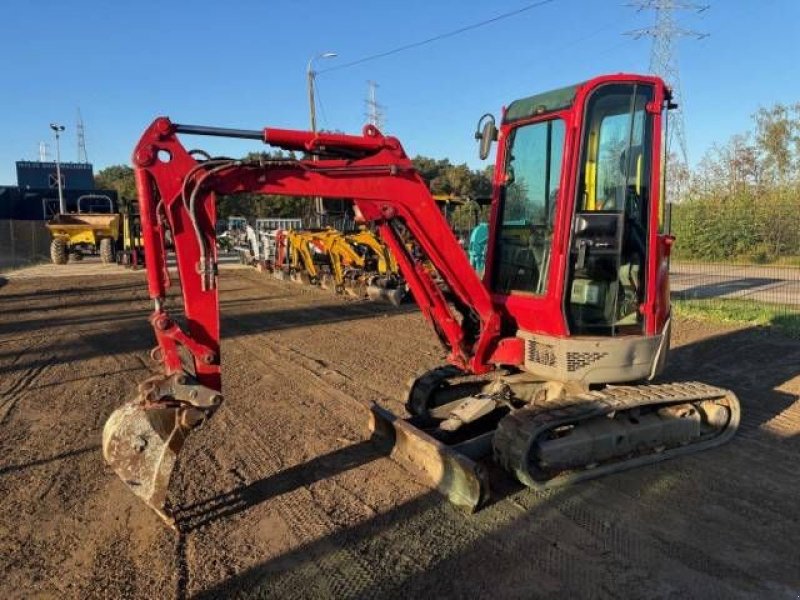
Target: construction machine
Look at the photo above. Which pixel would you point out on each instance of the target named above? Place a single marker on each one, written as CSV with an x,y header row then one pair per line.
x,y
93,228
306,254
551,355
344,268
384,281
361,266
131,252
342,263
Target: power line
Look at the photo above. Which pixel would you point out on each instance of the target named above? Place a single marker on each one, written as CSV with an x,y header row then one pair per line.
x,y
441,36
318,100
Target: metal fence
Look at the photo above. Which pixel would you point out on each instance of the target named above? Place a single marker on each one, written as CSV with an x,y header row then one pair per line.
x,y
23,243
745,254
738,251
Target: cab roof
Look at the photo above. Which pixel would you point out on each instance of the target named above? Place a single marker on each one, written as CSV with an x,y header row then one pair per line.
x,y
541,103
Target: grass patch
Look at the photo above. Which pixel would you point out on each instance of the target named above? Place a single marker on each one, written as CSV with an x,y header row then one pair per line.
x,y
741,312
747,260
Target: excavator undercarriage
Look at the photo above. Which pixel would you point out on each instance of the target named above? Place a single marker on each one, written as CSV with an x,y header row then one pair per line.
x,y
549,435
553,355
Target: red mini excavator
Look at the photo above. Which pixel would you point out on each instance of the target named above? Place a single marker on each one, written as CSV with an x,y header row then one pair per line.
x,y
549,355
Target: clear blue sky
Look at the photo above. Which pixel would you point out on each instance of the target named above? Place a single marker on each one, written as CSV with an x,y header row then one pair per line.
x,y
242,64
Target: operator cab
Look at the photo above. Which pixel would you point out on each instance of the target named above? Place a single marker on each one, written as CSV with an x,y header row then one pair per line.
x,y
572,208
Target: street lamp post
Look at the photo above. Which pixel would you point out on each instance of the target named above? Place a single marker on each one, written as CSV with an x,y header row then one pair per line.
x,y
311,75
319,206
62,207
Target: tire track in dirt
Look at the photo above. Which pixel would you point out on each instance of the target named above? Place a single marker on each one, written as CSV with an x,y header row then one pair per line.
x,y
385,332
695,569
26,378
342,571
283,362
23,380
68,540
683,557
438,532
339,570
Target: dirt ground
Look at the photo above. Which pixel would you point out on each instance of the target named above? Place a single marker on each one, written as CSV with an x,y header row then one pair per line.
x,y
281,496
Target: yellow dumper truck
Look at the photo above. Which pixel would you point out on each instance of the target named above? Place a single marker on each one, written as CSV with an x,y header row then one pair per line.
x,y
93,228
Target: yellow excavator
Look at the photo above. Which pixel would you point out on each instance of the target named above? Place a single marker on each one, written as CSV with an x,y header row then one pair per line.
x,y
347,267
302,265
357,264
385,283
385,262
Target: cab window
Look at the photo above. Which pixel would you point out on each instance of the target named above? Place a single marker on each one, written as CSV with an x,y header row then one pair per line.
x,y
529,200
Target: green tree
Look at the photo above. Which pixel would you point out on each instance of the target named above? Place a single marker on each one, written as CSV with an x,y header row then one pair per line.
x,y
119,178
778,140
742,202
444,178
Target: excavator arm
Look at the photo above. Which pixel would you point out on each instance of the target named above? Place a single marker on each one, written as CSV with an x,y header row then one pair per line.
x,y
177,192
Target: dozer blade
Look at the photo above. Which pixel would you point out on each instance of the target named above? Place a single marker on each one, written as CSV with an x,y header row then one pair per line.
x,y
142,446
356,289
454,474
394,296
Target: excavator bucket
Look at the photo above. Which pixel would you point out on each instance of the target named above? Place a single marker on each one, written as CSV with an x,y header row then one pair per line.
x,y
451,470
142,445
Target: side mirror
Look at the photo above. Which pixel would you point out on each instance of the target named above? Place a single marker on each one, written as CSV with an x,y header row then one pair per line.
x,y
485,135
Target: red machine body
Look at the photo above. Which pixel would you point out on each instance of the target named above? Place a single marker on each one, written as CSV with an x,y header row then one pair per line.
x,y
575,294
381,180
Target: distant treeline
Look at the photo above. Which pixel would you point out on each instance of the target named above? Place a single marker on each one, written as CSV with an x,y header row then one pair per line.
x,y
442,177
742,202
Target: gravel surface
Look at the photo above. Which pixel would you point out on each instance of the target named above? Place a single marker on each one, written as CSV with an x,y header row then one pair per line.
x,y
281,496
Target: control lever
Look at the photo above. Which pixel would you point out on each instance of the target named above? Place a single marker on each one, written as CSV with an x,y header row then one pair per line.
x,y
583,248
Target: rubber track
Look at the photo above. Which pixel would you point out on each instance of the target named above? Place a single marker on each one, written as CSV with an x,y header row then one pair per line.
x,y
420,388
517,431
